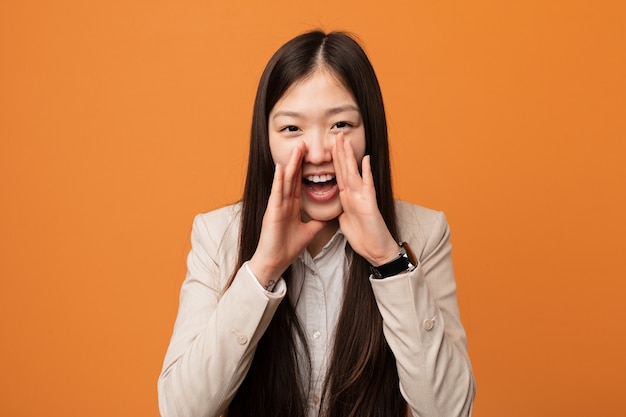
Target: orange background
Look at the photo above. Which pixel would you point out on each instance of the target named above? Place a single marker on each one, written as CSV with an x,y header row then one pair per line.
x,y
120,120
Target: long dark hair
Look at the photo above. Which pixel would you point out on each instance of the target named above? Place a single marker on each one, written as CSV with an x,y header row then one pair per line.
x,y
362,378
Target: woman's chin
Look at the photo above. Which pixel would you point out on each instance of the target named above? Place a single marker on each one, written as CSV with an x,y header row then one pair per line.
x,y
322,212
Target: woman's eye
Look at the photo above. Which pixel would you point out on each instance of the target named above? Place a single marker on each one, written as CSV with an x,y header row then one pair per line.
x,y
290,129
341,125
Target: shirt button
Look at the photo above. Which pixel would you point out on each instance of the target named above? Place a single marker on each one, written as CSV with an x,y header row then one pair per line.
x,y
241,339
428,324
317,335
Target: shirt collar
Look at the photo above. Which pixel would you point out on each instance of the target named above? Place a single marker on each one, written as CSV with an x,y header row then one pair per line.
x,y
337,239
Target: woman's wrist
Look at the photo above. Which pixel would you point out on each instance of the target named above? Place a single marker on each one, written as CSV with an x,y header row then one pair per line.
x,y
266,275
388,252
404,262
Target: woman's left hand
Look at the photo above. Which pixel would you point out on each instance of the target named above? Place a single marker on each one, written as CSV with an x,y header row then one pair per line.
x,y
361,221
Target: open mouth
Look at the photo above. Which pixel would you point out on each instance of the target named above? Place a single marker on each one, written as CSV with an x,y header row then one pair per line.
x,y
320,184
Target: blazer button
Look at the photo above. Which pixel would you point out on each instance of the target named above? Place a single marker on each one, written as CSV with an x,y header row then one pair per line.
x,y
242,339
428,324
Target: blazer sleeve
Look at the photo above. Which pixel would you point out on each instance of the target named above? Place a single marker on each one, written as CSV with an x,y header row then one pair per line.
x,y
216,332
422,325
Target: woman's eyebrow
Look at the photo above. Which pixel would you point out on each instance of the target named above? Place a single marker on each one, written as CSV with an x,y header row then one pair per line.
x,y
341,109
329,112
286,113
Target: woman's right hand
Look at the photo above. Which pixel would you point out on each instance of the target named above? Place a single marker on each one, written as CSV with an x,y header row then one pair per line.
x,y
283,233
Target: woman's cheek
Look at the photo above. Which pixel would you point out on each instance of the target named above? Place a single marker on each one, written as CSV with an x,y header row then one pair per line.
x,y
281,150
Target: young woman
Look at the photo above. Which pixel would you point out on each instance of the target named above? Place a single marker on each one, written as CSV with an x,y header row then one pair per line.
x,y
304,299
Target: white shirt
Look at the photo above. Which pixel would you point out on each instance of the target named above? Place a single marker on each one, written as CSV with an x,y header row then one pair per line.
x,y
316,291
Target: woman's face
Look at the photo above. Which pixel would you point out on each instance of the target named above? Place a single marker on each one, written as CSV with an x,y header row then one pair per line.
x,y
314,110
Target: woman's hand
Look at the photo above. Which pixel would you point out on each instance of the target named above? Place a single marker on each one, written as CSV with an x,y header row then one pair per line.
x,y
283,234
361,221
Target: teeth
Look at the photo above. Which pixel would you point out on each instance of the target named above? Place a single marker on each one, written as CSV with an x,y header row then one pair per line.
x,y
320,178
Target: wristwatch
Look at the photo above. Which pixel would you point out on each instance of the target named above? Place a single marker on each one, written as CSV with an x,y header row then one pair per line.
x,y
405,262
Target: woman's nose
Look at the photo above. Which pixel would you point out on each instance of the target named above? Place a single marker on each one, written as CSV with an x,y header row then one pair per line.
x,y
319,147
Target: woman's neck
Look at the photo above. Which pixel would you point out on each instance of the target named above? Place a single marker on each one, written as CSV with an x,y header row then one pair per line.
x,y
323,237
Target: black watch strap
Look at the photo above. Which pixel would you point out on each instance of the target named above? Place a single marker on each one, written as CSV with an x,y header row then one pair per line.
x,y
403,263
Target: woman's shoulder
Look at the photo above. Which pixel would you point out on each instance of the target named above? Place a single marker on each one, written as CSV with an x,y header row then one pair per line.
x,y
419,225
412,213
218,225
222,215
